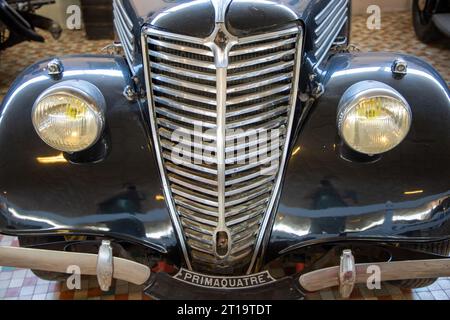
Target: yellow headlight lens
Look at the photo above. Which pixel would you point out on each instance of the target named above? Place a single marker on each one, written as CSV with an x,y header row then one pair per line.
x,y
68,119
374,120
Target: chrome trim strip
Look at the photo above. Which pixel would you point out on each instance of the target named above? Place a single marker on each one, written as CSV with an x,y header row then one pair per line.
x,y
330,27
167,193
330,22
124,14
193,225
180,47
195,206
190,216
257,118
246,167
184,72
187,61
183,118
125,47
188,194
261,202
323,14
178,37
258,95
170,125
220,8
322,52
166,135
221,156
184,95
256,107
191,165
245,178
128,30
189,174
267,58
182,83
185,107
249,186
124,28
271,45
261,83
265,126
283,164
271,68
326,23
270,35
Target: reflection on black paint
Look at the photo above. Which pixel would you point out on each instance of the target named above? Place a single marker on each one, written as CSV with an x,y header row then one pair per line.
x,y
127,201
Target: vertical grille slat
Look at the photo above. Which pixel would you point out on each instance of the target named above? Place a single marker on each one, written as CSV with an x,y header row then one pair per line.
x,y
257,97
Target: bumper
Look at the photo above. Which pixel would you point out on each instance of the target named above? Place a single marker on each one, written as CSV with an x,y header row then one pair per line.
x,y
190,285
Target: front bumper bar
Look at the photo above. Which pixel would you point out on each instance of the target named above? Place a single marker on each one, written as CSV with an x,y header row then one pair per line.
x,y
163,286
62,262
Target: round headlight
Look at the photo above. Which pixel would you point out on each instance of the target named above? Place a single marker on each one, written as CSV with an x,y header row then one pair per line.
x,y
70,116
373,118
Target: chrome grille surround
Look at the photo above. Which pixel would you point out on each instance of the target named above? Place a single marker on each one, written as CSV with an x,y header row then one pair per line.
x,y
124,28
247,83
329,23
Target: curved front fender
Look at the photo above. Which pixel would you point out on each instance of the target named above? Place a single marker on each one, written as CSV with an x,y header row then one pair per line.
x,y
329,194
115,194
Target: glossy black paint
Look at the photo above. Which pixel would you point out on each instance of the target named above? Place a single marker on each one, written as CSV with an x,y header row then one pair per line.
x,y
330,192
111,190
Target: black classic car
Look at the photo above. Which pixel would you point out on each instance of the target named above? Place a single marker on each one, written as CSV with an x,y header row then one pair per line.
x,y
236,149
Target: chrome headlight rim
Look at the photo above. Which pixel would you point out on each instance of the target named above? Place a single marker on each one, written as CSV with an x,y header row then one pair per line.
x,y
365,90
82,90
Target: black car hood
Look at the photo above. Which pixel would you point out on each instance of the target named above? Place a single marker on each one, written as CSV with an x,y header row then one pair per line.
x,y
197,18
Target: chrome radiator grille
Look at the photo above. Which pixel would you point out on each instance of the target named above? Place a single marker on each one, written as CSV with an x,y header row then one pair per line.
x,y
207,193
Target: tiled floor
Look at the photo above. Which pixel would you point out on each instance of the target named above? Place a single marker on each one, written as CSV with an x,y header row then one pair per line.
x,y
396,35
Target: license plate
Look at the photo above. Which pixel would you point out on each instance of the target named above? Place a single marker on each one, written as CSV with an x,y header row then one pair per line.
x,y
219,282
